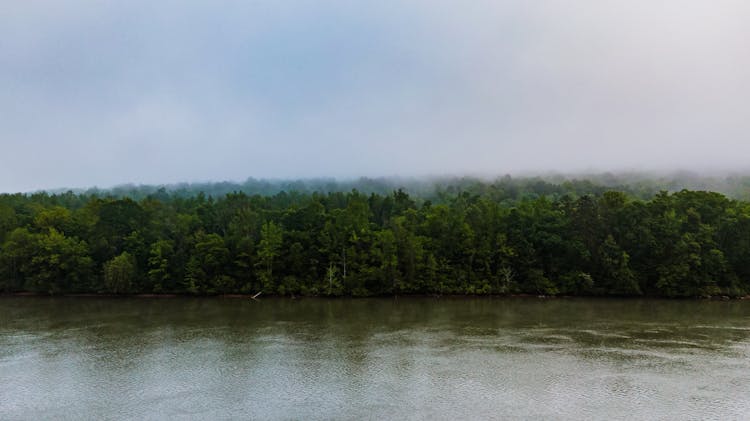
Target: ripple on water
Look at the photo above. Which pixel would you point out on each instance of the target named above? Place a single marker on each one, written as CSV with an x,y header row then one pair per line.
x,y
358,359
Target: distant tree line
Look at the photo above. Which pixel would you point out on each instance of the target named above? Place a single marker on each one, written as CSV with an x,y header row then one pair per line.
x,y
636,184
543,238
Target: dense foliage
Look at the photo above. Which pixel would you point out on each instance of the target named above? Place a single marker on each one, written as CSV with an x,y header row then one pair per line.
x,y
538,238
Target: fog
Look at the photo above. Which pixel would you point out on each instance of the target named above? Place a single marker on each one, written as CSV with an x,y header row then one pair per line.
x,y
103,93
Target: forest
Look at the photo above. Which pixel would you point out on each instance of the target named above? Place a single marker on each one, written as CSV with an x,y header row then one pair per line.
x,y
510,236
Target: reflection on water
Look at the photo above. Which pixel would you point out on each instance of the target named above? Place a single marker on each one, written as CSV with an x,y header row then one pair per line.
x,y
89,358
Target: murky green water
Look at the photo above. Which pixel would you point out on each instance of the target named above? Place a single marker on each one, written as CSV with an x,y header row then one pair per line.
x,y
89,358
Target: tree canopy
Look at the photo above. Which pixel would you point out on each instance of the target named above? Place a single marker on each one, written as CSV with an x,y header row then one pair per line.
x,y
543,238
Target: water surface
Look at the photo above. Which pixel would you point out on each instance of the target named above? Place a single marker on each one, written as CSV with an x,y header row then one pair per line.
x,y
416,358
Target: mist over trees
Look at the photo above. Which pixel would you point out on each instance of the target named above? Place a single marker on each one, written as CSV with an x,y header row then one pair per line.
x,y
643,185
453,236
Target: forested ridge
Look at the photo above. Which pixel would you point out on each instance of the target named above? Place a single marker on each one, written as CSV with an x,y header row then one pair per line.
x,y
573,238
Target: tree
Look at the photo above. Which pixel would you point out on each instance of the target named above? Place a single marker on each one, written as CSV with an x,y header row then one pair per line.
x,y
120,273
15,259
271,238
159,271
206,268
8,221
615,273
60,264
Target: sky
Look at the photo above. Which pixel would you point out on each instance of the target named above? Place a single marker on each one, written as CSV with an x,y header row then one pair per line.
x,y
101,93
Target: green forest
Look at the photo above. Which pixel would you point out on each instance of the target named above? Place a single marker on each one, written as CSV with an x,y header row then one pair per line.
x,y
505,237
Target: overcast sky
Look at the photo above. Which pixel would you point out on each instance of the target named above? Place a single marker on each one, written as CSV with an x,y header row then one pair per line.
x,y
110,92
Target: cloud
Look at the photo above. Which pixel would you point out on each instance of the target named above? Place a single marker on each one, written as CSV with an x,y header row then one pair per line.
x,y
100,93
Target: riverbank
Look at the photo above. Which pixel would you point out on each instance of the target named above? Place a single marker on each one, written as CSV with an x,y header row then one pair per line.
x,y
347,297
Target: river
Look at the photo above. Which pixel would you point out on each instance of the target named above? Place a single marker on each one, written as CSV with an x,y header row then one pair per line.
x,y
405,358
